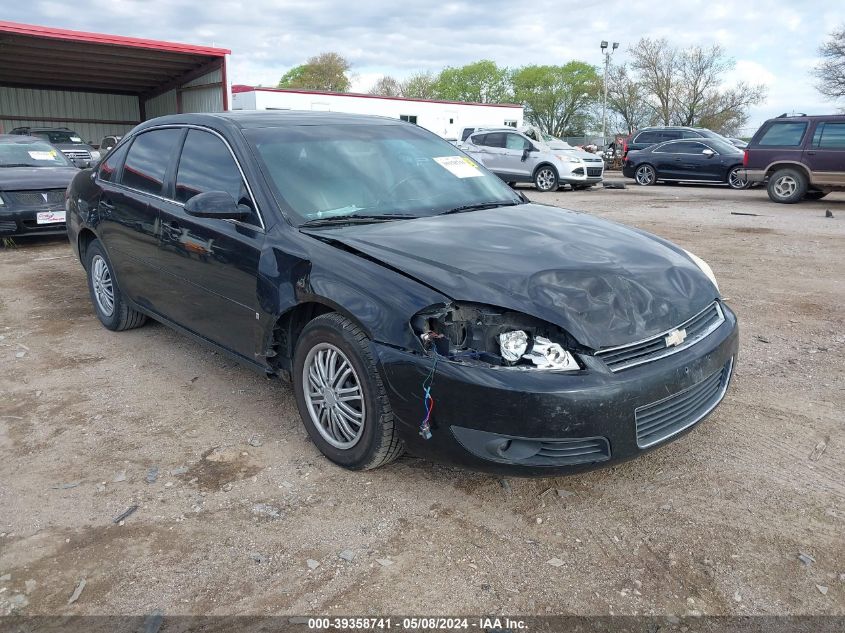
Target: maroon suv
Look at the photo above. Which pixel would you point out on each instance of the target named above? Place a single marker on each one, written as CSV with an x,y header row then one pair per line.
x,y
799,156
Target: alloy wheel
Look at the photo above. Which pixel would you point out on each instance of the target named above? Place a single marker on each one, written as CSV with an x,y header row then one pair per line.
x,y
785,186
333,395
645,175
103,286
545,179
735,179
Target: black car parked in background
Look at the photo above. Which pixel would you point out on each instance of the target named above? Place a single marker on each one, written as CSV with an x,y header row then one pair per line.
x,y
33,179
699,160
415,300
648,136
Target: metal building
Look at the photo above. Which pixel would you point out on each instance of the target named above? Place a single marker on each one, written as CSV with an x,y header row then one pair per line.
x,y
101,84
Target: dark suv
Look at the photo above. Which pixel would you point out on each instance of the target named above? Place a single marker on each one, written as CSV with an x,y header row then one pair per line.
x,y
649,136
799,156
69,142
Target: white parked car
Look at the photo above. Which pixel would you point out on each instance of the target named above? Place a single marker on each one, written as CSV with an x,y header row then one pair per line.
x,y
514,157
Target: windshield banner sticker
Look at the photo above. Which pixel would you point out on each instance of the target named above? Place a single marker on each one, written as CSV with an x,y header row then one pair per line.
x,y
459,166
51,155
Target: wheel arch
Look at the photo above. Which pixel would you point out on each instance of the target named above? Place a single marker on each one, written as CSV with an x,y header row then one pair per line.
x,y
774,167
83,241
545,164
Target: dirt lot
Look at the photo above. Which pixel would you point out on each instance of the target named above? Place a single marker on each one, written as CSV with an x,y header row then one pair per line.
x,y
713,523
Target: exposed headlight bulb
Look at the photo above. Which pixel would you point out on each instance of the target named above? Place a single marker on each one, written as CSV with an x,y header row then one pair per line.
x,y
513,345
547,355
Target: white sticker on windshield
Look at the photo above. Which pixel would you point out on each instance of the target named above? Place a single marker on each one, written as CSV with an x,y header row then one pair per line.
x,y
75,139
42,155
459,166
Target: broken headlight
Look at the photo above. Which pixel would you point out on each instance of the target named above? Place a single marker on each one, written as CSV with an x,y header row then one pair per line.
x,y
485,335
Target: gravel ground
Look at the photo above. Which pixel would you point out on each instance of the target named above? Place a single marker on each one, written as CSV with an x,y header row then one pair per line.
x,y
245,517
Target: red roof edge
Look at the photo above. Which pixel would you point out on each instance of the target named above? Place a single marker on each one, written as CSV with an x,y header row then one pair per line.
x,y
242,88
113,40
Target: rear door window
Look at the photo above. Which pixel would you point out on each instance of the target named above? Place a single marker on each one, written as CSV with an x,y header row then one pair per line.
x,y
649,137
668,135
495,139
109,169
830,136
784,134
148,158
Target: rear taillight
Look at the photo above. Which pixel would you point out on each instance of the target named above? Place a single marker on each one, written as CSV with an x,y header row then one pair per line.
x,y
745,158
625,147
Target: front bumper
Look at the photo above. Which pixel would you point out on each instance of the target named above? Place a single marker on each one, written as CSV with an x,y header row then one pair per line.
x,y
488,418
24,222
584,174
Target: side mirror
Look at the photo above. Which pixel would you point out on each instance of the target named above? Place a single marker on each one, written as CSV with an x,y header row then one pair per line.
x,y
215,204
708,152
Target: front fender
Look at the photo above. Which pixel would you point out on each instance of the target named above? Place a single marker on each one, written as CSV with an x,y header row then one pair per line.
x,y
379,299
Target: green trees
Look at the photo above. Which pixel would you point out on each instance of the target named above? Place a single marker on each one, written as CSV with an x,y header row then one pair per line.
x,y
326,71
557,98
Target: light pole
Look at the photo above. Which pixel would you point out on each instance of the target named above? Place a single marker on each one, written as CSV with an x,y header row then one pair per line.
x,y
607,55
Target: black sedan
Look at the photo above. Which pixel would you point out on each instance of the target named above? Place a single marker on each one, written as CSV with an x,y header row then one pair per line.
x,y
687,160
33,179
415,300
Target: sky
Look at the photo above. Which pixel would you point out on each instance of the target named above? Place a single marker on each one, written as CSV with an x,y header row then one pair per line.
x,y
774,42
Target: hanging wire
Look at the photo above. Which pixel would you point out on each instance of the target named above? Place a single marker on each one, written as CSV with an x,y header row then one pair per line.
x,y
428,400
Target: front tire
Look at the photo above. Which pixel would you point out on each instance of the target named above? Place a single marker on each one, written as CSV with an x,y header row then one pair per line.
x,y
545,179
340,396
111,308
645,175
787,186
736,179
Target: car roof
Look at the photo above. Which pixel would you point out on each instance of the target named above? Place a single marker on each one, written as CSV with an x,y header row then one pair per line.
x,y
45,129
251,119
810,117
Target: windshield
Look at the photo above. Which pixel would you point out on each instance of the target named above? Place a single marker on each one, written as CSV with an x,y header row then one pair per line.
x,y
59,136
32,154
342,170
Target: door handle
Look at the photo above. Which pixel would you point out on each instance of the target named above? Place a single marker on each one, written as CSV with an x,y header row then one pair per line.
x,y
810,153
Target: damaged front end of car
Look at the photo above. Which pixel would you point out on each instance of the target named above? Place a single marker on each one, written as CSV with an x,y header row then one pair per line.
x,y
477,334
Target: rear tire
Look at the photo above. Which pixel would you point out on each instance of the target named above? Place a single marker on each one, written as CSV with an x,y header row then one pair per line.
x,y
545,178
787,186
340,395
645,175
111,308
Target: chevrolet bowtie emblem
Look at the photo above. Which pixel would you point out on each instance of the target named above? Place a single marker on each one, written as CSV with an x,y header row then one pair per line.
x,y
675,338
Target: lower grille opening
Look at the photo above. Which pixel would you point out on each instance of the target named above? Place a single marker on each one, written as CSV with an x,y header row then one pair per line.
x,y
527,451
661,420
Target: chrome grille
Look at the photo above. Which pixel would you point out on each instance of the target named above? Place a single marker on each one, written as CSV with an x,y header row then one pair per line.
x,y
665,418
633,354
83,154
50,197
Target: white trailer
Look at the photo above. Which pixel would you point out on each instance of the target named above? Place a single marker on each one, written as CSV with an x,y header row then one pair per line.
x,y
446,118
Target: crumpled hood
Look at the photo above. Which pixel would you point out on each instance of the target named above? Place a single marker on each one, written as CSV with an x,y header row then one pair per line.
x,y
604,283
28,178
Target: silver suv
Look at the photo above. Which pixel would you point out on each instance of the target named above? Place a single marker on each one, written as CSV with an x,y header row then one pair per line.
x,y
514,158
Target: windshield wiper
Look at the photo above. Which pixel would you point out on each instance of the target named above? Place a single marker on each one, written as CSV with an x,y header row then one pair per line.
x,y
17,165
355,219
478,206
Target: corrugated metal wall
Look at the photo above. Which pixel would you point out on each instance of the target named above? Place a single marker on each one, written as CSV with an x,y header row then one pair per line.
x,y
58,105
209,99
